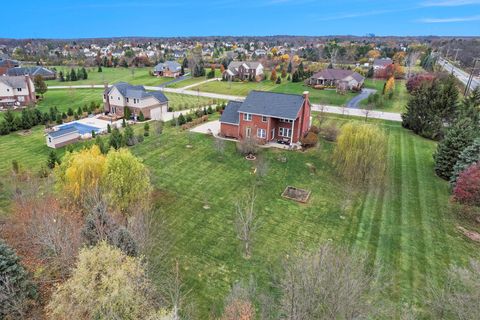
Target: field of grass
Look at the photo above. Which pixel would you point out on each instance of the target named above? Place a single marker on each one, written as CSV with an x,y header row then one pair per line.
x,y
327,97
235,88
191,81
399,99
404,226
112,75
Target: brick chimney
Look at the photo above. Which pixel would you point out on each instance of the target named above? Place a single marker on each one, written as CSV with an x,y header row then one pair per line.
x,y
106,106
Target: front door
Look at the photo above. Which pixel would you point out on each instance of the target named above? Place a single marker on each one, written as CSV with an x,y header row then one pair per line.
x,y
248,132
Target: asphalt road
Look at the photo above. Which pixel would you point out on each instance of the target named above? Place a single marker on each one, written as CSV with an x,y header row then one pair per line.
x,y
355,102
315,107
458,73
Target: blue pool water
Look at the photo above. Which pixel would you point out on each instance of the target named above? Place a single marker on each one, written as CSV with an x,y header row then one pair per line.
x,y
82,128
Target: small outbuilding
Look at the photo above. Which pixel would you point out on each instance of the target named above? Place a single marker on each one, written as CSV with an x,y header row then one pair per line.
x,y
62,137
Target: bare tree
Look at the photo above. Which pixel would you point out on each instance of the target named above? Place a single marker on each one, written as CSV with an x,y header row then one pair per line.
x,y
328,283
175,293
219,145
459,296
246,222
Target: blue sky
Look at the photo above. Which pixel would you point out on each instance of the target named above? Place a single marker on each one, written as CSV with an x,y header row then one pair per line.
x,y
106,18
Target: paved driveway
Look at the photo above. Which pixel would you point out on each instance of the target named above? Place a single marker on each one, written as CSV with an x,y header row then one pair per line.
x,y
208,127
355,102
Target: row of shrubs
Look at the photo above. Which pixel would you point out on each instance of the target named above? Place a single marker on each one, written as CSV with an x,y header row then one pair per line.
x,y
328,131
194,122
31,117
172,107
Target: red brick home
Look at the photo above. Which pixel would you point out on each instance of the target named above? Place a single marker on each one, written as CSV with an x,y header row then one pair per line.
x,y
267,117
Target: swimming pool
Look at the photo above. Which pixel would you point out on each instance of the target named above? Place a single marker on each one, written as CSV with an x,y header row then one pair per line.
x,y
82,128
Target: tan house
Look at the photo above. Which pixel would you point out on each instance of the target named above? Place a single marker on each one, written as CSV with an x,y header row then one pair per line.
x,y
168,69
153,104
338,78
243,70
16,91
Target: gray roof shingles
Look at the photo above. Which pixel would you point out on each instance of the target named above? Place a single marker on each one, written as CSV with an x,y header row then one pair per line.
x,y
337,74
168,65
230,114
14,81
138,92
32,71
271,104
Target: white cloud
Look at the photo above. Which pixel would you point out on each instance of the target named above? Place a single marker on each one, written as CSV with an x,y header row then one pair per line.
x,y
449,3
450,20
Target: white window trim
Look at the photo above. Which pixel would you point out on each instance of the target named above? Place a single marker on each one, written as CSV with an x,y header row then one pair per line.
x,y
247,117
264,117
260,135
282,131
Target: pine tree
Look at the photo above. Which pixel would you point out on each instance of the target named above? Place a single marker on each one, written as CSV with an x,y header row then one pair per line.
x,y
289,68
20,291
99,69
73,75
61,78
52,160
457,138
301,71
141,117
85,74
116,139
146,128
70,112
129,136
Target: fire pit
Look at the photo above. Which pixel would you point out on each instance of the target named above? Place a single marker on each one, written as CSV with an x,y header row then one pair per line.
x,y
250,157
296,194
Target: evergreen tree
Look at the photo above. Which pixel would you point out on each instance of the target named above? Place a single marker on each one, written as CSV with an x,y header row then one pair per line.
x,y
9,118
301,71
295,76
116,139
467,157
59,119
52,160
79,111
146,129
61,78
99,69
101,145
289,68
457,138
70,111
124,123
16,288
85,74
181,119
25,120
127,114
109,128
129,136
73,75
141,117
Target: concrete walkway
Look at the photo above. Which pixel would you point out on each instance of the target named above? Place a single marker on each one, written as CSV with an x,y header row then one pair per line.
x,y
315,107
355,102
178,79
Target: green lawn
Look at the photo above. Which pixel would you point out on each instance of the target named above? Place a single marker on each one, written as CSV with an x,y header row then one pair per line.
x,y
405,225
399,99
327,97
191,81
235,88
112,75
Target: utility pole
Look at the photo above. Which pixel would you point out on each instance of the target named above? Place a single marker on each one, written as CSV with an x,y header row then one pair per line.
x,y
456,54
470,78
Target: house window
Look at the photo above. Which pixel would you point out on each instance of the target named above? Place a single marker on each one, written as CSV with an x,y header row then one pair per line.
x,y
111,97
19,89
285,132
264,119
118,98
262,133
248,132
127,99
247,116
49,139
286,120
8,90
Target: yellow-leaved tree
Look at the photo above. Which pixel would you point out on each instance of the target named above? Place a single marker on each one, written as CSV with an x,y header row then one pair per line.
x,y
105,284
125,180
360,153
80,172
389,85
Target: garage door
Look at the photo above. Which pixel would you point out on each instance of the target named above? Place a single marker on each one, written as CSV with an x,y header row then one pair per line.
x,y
156,113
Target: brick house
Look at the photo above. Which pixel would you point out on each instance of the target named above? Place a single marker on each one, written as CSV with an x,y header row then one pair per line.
x,y
153,104
7,64
267,117
16,91
167,69
243,70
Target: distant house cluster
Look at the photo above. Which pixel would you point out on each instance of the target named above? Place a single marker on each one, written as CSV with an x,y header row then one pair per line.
x,y
243,71
122,95
267,117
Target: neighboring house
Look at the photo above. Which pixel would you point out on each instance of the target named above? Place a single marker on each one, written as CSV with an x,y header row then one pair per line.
x,y
339,78
167,69
62,137
16,91
267,116
46,74
381,64
7,64
243,70
153,104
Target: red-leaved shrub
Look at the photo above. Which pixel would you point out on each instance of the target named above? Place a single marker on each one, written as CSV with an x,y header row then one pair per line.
x,y
467,189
